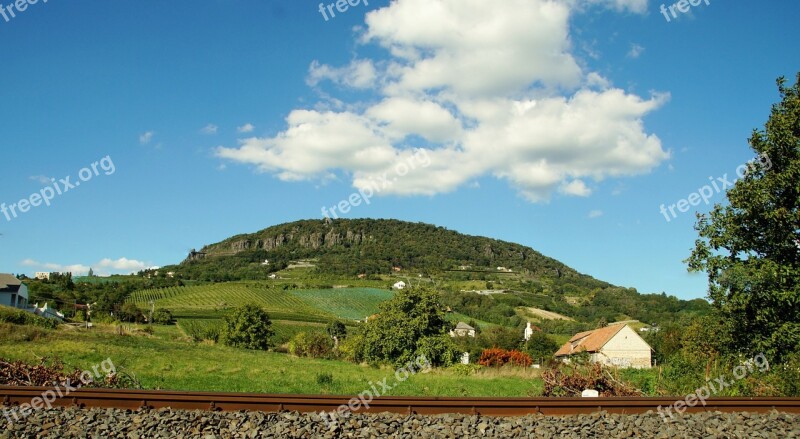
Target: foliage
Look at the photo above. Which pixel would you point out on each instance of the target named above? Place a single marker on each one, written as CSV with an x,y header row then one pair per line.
x,y
438,349
395,334
312,344
20,317
202,329
501,337
465,369
750,248
500,357
336,331
163,317
572,380
247,327
541,346
130,313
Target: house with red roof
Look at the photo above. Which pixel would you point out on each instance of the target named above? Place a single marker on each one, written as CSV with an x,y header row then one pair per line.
x,y
614,345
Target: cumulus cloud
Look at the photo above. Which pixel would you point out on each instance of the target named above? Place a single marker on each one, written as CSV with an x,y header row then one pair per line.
x,y
104,267
483,91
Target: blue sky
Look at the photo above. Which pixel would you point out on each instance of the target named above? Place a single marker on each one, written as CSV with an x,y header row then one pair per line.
x,y
562,125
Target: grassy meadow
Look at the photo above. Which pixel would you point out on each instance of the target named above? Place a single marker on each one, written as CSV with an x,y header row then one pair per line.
x,y
167,359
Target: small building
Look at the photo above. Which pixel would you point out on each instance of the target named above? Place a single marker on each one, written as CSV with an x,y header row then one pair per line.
x,y
42,275
13,292
463,330
399,285
613,345
396,269
47,312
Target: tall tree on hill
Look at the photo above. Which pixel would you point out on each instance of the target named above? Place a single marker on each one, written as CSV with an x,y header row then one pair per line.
x,y
750,248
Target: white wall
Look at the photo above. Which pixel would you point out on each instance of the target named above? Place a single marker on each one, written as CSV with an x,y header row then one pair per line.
x,y
626,349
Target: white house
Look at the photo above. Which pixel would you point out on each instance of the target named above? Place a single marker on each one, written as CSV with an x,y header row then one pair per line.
x,y
399,285
463,330
13,292
43,275
614,345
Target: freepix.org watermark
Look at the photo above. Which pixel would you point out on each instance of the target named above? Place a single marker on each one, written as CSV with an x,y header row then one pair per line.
x,y
716,386
60,187
7,11
61,391
341,5
683,6
375,186
420,364
720,184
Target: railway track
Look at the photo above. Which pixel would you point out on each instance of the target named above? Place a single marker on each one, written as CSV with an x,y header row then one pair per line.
x,y
136,399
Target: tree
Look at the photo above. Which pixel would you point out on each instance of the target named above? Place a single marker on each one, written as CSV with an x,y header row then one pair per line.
x,y
162,316
248,327
91,272
749,248
540,345
402,326
337,331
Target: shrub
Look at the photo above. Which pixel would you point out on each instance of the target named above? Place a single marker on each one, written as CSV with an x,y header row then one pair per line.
x,y
248,327
130,313
496,357
313,344
162,317
21,317
439,350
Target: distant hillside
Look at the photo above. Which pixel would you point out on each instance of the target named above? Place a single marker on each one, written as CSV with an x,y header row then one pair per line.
x,y
369,246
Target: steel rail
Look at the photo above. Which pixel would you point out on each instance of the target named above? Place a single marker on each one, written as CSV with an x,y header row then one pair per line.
x,y
215,401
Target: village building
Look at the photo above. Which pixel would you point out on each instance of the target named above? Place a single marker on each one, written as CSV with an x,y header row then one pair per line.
x,y
13,292
529,330
613,345
462,330
399,285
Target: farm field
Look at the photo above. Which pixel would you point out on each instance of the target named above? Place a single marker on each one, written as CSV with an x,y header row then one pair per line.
x,y
165,360
313,305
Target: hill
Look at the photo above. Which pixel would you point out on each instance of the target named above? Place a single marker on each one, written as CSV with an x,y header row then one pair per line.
x,y
371,247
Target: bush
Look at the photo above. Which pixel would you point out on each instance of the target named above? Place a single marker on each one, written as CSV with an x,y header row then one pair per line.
x,y
130,313
248,327
162,317
21,317
541,346
439,350
499,357
313,344
572,380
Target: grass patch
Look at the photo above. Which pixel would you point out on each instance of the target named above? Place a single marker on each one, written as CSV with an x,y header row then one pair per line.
x,y
165,360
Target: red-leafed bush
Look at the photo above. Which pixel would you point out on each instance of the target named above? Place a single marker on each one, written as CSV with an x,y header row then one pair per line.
x,y
496,357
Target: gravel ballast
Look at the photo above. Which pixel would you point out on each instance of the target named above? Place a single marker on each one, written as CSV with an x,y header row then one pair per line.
x,y
166,423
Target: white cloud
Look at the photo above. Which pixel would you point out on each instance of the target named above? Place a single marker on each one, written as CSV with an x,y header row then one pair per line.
x,y
104,267
359,74
246,128
595,214
43,179
483,90
209,129
635,51
146,137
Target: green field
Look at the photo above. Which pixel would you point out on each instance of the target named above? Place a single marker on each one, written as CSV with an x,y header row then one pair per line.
x,y
314,305
345,303
165,360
